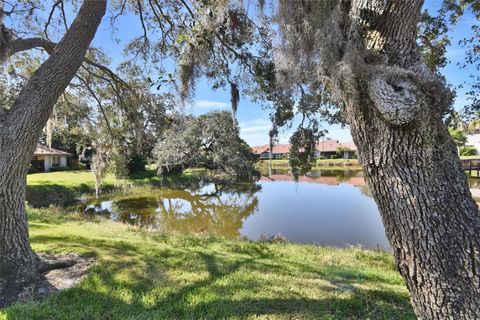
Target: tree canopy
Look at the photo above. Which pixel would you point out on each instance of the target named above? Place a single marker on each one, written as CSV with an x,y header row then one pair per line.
x,y
210,141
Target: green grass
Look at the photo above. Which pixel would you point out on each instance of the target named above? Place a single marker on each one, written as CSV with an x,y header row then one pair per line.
x,y
143,275
86,178
77,178
62,187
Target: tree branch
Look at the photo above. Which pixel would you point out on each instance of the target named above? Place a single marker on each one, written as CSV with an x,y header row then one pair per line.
x,y
45,31
19,45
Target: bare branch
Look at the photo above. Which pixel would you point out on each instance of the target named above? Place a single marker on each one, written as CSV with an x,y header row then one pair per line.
x,y
45,31
142,20
99,103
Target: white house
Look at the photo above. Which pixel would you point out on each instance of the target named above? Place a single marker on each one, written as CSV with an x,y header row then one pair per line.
x,y
473,140
45,158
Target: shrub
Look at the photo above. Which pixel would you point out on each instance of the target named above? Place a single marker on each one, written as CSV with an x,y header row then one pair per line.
x,y
79,166
468,151
136,164
32,169
334,156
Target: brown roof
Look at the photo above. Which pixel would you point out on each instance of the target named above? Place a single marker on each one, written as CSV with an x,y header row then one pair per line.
x,y
44,150
328,146
278,148
260,149
281,148
350,145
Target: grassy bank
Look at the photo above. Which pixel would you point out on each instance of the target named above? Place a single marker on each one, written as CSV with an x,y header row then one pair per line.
x,y
61,187
142,275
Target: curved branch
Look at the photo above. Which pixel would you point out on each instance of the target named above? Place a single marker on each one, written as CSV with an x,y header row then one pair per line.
x,y
19,45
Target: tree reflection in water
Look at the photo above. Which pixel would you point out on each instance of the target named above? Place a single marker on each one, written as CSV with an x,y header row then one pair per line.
x,y
213,209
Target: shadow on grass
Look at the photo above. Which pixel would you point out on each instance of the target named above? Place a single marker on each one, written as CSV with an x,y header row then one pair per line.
x,y
43,195
219,288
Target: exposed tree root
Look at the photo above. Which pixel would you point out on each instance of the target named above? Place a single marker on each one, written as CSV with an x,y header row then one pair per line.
x,y
53,274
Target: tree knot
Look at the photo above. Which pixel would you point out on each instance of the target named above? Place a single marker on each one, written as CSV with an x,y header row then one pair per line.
x,y
396,95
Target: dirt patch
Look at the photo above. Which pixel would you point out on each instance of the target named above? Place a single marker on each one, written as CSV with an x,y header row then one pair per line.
x,y
55,280
62,279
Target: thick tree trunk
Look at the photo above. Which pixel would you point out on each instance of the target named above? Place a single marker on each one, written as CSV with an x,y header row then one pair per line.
x,y
20,128
431,220
18,263
394,106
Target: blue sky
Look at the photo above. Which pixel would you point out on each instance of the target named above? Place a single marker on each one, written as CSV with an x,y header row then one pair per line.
x,y
253,120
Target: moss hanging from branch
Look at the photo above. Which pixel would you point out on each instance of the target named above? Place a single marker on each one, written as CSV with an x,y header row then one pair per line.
x,y
235,99
99,168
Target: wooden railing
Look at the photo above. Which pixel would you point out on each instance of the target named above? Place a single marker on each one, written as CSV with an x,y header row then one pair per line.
x,y
471,164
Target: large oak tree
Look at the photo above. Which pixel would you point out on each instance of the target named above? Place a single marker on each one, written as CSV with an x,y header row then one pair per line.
x,y
367,55
20,128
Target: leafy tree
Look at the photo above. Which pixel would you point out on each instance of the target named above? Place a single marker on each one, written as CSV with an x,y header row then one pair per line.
x,y
366,54
66,72
205,142
458,136
99,168
21,124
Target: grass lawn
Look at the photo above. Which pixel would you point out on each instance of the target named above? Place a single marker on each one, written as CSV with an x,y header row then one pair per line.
x,y
84,177
143,275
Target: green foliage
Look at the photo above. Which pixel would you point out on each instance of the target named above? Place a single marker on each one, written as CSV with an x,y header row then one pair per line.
x,y
211,141
79,166
341,150
302,148
458,136
59,169
136,164
468,151
32,169
151,275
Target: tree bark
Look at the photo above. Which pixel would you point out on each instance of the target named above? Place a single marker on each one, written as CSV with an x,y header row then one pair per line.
x,y
395,106
20,128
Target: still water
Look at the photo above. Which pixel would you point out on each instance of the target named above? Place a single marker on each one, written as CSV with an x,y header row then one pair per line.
x,y
331,208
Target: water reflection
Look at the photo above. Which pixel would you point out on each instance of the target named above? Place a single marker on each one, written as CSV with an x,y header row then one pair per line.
x,y
327,207
211,209
327,177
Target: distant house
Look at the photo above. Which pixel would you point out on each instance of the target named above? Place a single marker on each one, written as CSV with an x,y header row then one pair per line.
x,y
279,151
45,158
328,148
325,149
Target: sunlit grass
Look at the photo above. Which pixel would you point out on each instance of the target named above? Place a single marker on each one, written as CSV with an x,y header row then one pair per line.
x,y
143,275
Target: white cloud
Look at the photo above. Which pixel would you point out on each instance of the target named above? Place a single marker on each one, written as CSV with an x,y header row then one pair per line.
x,y
208,104
255,132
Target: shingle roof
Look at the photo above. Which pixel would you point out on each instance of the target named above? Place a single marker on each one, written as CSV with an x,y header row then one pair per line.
x,y
278,148
44,150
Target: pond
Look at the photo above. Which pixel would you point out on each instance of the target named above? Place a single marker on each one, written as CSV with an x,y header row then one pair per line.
x,y
326,207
